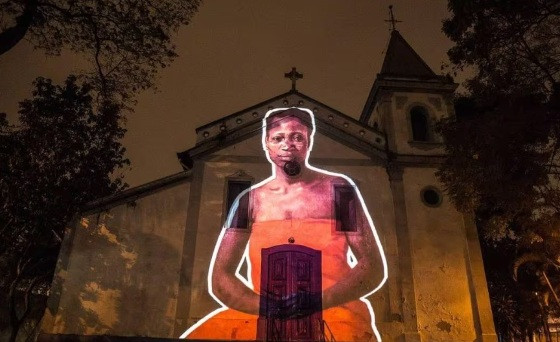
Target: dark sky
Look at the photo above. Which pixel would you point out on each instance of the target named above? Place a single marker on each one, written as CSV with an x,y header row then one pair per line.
x,y
234,54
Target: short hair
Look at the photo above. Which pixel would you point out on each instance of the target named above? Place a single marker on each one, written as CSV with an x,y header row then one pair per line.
x,y
275,118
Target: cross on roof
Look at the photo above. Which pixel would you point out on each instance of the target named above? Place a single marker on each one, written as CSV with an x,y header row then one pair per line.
x,y
393,21
294,76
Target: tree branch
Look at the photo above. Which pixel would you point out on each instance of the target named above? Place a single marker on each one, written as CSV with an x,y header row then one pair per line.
x,y
27,292
531,57
13,35
97,58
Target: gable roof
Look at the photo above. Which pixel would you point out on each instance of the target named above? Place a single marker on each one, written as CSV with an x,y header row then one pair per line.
x,y
246,123
402,60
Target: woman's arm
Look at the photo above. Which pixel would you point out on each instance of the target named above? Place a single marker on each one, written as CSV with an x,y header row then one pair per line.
x,y
370,272
225,285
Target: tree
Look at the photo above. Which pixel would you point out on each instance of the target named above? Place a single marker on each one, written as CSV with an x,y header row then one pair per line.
x,y
66,153
127,41
503,143
67,150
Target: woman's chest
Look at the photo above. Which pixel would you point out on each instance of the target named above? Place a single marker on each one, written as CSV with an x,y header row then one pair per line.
x,y
314,233
295,205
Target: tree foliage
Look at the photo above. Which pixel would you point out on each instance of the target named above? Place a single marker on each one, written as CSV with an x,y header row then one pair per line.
x,y
127,41
520,303
500,161
502,147
66,152
514,44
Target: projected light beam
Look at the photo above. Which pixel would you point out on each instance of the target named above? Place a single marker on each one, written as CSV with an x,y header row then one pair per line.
x,y
350,258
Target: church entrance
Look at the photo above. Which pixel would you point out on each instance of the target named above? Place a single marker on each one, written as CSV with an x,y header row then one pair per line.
x,y
290,308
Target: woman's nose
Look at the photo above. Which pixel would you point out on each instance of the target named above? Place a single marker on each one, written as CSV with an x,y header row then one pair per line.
x,y
288,144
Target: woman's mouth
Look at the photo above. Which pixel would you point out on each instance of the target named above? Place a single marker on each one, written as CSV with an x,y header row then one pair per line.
x,y
286,156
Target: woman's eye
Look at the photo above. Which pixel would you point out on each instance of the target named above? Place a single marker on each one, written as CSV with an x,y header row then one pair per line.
x,y
298,137
276,139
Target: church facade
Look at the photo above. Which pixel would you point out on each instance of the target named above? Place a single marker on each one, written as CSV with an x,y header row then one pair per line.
x,y
139,263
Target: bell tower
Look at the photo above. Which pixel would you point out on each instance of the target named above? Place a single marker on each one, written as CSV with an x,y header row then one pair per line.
x,y
435,247
406,100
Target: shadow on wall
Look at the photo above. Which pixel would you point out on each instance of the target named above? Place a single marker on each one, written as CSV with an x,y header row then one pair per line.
x,y
122,283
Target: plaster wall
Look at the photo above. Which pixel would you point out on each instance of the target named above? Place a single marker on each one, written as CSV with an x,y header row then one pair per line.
x,y
119,274
439,262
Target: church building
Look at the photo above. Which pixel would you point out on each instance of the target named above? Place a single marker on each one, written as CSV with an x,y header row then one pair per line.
x,y
143,264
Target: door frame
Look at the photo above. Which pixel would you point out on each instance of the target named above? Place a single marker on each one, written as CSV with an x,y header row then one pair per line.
x,y
316,285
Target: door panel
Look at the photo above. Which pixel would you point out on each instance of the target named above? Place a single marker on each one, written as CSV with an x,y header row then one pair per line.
x,y
291,294
279,267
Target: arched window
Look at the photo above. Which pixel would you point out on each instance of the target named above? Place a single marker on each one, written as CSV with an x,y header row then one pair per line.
x,y
234,188
419,123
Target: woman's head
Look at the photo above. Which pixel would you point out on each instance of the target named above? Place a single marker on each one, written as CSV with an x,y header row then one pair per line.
x,y
288,136
276,118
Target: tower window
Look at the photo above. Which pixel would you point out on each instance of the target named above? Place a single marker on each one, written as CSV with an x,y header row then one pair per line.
x,y
419,123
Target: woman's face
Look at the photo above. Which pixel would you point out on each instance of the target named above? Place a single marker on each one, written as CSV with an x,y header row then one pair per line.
x,y
287,141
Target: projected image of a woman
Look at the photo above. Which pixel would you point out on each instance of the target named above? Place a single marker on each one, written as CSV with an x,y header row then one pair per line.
x,y
312,252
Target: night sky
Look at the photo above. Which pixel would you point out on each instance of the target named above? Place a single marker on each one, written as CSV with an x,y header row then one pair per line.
x,y
234,54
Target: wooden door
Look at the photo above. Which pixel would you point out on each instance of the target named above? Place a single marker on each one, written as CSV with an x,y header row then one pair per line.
x,y
291,294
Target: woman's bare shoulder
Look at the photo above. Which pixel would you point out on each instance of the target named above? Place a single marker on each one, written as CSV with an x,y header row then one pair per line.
x,y
334,179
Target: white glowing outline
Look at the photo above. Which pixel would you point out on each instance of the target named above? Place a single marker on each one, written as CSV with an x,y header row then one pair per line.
x,y
351,258
245,279
350,255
